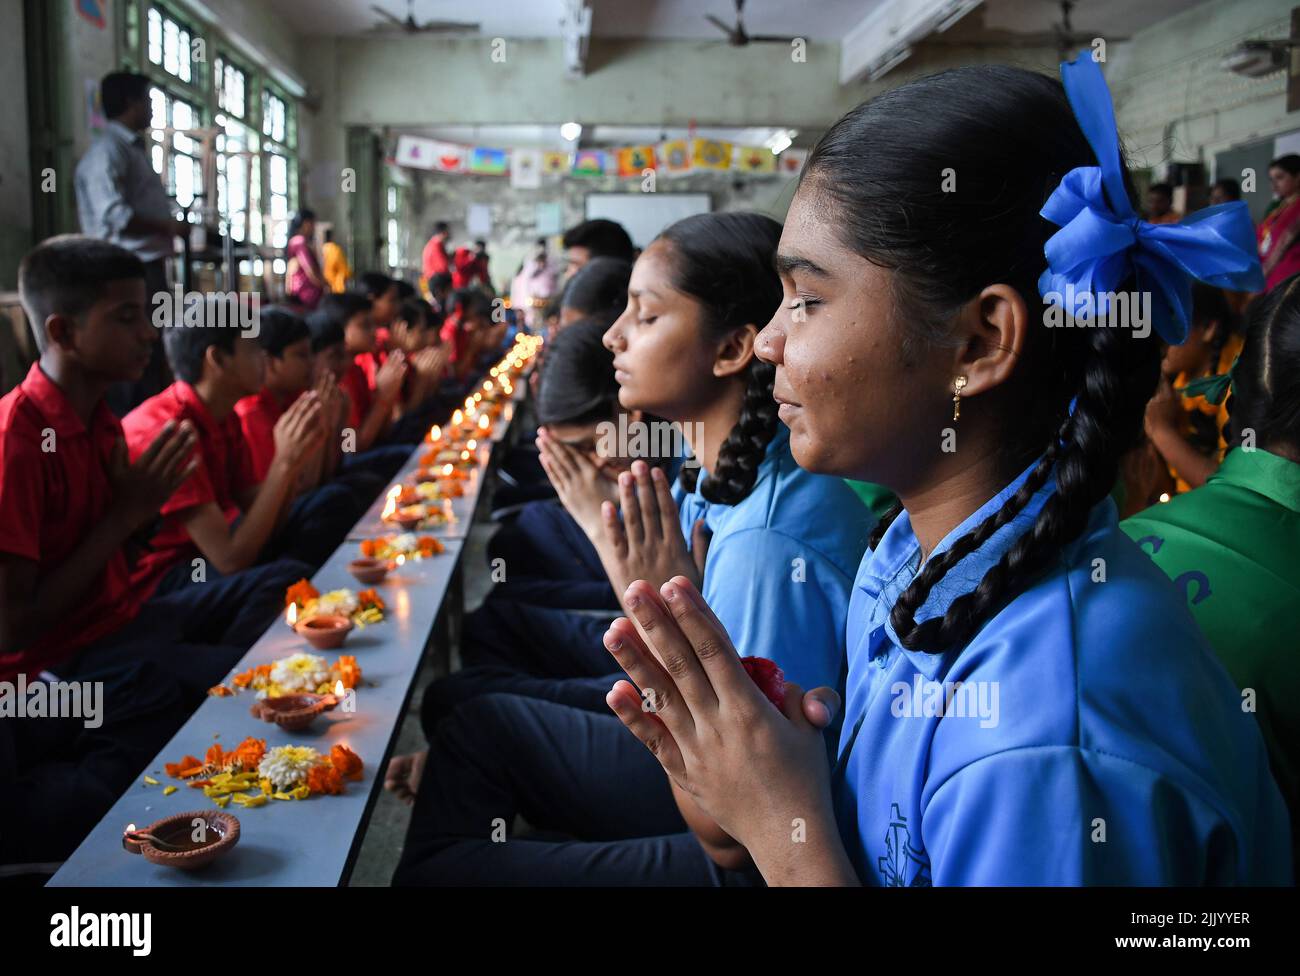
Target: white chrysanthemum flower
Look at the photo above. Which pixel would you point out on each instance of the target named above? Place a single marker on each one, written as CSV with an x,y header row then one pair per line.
x,y
406,543
299,672
337,601
287,766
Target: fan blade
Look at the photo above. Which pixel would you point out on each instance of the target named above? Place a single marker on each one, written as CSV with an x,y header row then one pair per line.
x,y
389,16
449,25
770,38
725,28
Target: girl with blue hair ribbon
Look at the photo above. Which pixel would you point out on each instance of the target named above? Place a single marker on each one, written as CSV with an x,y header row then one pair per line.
x,y
1028,699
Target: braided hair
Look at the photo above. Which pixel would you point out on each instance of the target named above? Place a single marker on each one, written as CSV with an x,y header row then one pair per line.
x,y
724,261
1077,395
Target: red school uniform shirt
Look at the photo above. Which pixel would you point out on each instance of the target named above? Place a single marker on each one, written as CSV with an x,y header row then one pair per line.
x,y
225,471
360,394
371,361
434,258
257,417
50,500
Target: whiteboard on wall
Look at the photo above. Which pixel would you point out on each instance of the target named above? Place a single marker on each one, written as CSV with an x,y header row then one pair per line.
x,y
644,215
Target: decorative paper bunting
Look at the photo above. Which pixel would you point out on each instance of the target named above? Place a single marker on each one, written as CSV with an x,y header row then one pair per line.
x,y
635,160
416,152
792,160
555,163
490,162
754,159
526,168
711,154
589,162
675,156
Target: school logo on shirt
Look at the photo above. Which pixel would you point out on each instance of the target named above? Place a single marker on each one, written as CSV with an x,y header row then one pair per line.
x,y
902,866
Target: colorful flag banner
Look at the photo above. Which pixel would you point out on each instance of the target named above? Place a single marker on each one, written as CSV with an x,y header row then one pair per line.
x,y
635,160
488,162
526,168
589,162
555,163
754,159
711,154
792,160
675,156
416,152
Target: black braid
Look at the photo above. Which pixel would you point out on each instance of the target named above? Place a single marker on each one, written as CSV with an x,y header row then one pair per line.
x,y
745,447
1117,376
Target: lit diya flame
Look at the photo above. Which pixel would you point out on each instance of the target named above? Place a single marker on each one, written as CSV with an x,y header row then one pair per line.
x,y
464,455
435,433
391,505
401,559
457,418
291,614
471,444
478,397
487,386
130,828
446,470
339,689
485,422
493,371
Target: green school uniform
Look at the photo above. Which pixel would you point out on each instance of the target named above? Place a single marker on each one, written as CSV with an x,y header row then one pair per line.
x,y
1232,547
876,497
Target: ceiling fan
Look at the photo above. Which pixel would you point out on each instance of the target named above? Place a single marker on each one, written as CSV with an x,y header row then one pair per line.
x,y
737,36
1063,34
412,26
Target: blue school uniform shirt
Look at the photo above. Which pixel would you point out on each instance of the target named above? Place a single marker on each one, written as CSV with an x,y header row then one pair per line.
x,y
1093,739
780,564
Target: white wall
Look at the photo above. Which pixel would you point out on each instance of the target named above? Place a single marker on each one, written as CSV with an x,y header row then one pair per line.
x,y
15,164
1174,103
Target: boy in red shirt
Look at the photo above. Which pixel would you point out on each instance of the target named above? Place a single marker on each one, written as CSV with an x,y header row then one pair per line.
x,y
371,408
69,505
223,520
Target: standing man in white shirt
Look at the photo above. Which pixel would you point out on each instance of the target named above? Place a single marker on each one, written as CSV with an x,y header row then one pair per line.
x,y
121,199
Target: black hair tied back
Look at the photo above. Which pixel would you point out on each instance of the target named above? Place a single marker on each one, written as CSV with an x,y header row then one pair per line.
x,y
1009,136
724,261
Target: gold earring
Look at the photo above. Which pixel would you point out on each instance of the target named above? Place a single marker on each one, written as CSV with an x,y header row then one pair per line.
x,y
958,385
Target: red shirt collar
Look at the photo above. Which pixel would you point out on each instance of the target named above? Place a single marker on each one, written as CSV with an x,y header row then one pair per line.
x,y
57,408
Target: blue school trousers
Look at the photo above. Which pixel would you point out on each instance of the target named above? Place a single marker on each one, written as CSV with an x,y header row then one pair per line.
x,y
196,632
58,778
549,561
599,800
536,640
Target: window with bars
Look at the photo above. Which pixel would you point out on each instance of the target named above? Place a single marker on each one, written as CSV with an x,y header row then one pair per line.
x,y
393,204
175,154
170,45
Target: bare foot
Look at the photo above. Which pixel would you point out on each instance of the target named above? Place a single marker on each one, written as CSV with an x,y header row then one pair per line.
x,y
402,778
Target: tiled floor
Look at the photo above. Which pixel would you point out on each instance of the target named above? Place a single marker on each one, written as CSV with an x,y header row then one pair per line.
x,y
382,846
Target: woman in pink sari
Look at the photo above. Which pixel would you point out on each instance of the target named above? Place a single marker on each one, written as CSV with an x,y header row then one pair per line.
x,y
304,282
1280,230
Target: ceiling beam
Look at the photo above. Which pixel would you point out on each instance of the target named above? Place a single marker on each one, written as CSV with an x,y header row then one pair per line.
x,y
884,37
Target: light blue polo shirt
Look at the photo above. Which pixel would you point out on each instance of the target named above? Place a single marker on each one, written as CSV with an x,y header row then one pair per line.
x,y
780,565
1093,739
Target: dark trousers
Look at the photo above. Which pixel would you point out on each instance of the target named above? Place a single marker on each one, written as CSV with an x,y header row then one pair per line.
x,y
536,640
195,631
122,398
549,561
59,778
316,524
384,461
566,772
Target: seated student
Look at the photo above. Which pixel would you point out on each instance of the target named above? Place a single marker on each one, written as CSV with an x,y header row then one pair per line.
x,y
71,502
222,520
370,411
1117,751
548,558
1185,429
416,332
465,332
286,340
598,238
1230,545
598,293
776,548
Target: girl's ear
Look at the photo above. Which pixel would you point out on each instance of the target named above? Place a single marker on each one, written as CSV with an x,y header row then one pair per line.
x,y
735,352
993,327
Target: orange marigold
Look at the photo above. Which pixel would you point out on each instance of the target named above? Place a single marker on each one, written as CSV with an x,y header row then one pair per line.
x,y
369,547
179,769
248,753
347,762
324,778
300,593
348,670
369,598
429,546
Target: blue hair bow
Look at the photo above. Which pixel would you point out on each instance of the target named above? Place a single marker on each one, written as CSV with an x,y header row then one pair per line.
x,y
1102,240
